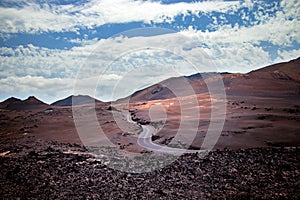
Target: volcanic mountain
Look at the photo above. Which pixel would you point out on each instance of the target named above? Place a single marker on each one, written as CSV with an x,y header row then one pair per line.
x,y
30,103
77,100
278,79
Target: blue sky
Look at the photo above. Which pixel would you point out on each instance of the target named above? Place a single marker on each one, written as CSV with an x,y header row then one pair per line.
x,y
46,46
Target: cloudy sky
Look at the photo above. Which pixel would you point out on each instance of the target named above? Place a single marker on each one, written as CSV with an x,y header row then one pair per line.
x,y
110,48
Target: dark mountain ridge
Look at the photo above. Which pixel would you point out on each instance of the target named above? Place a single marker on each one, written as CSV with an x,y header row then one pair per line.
x,y
76,100
18,104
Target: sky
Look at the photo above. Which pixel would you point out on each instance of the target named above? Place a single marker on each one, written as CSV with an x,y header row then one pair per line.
x,y
109,49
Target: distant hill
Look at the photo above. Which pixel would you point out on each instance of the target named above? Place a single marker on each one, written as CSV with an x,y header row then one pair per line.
x,y
77,100
17,104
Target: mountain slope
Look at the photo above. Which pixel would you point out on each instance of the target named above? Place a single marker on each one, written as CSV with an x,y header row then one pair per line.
x,y
285,70
275,80
278,79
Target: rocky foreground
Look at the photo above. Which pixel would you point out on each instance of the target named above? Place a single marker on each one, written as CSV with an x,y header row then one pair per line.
x,y
46,171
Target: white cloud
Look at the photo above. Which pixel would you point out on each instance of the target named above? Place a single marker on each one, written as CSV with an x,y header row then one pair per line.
x,y
238,48
287,55
147,11
37,61
52,89
48,90
277,31
33,18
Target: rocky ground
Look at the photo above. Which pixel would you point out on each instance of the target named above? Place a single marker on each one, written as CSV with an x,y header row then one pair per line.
x,y
43,170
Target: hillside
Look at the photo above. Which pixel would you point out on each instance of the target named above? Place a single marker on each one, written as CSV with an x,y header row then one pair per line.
x,y
279,79
285,70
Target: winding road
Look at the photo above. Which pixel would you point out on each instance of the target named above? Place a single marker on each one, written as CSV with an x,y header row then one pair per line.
x,y
145,140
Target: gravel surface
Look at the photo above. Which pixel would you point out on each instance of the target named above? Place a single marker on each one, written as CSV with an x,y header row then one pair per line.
x,y
44,171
